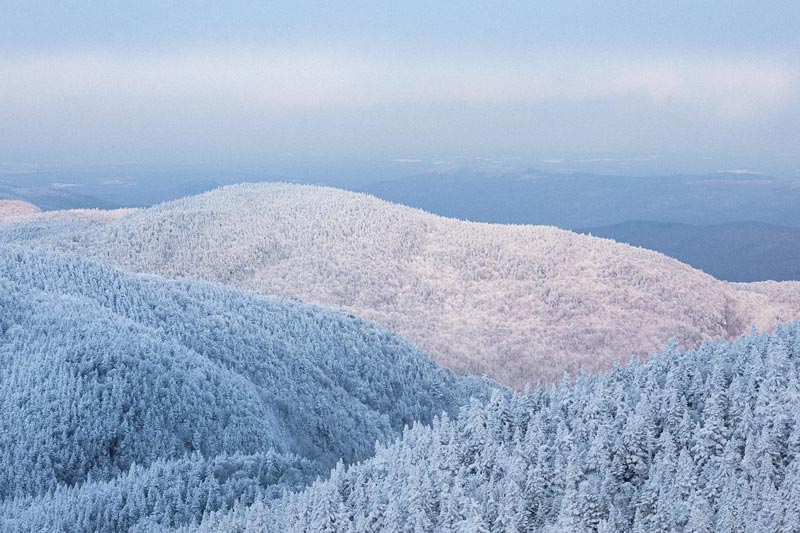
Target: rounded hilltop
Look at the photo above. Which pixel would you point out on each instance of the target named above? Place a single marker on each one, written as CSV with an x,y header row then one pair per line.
x,y
517,303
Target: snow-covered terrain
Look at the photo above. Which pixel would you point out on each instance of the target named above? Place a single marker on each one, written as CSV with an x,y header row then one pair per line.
x,y
518,303
703,441
107,377
16,208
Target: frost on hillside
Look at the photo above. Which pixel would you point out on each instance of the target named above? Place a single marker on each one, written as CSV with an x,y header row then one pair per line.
x,y
16,208
49,225
699,441
518,303
123,389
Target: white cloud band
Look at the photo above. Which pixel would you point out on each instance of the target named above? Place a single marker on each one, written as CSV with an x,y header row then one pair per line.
x,y
253,81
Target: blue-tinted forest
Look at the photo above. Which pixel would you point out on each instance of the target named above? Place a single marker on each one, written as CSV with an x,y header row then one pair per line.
x,y
139,404
110,378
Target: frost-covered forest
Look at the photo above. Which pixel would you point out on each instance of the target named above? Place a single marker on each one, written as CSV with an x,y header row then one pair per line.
x,y
141,396
399,267
703,440
130,402
517,303
698,441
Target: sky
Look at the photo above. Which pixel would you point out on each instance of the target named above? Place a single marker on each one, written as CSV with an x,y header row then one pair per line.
x,y
85,81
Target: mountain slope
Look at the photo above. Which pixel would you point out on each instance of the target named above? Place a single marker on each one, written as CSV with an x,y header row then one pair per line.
x,y
734,251
16,208
101,371
706,440
518,303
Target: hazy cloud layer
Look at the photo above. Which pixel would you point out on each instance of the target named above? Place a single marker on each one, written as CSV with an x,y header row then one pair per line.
x,y
109,99
290,80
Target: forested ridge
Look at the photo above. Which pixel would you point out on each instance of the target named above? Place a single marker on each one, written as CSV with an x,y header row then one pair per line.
x,y
111,381
705,440
517,303
701,440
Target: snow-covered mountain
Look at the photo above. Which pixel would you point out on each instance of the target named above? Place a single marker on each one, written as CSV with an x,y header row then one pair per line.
x,y
107,377
518,303
16,208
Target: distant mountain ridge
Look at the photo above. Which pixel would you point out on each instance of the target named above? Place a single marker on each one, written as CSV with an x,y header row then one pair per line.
x,y
733,251
513,195
16,208
518,303
53,198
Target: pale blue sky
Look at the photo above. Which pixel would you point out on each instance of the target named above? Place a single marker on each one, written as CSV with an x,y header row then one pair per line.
x,y
249,80
724,26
